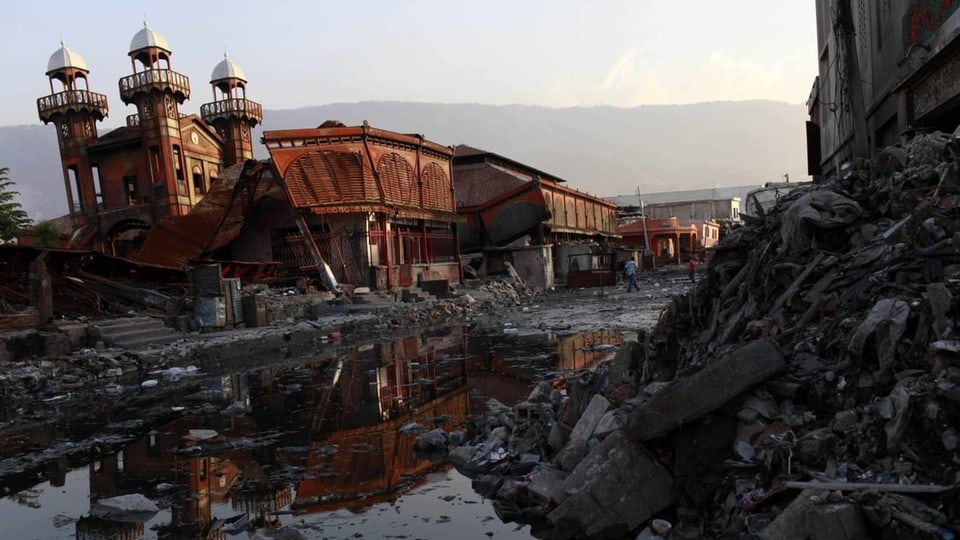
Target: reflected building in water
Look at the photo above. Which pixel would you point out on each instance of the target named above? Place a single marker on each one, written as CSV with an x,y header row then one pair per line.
x,y
324,434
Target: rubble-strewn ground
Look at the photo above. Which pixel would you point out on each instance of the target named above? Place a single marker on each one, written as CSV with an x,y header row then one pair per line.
x,y
807,388
95,387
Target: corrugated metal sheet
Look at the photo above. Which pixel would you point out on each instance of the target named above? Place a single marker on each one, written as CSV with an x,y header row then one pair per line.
x,y
478,183
215,221
437,192
324,177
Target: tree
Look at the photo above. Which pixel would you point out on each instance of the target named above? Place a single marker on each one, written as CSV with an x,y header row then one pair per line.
x,y
13,218
47,234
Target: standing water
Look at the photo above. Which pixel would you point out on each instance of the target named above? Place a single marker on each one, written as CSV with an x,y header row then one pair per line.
x,y
323,446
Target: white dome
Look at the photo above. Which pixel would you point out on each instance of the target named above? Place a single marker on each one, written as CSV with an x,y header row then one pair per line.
x,y
146,38
65,58
226,69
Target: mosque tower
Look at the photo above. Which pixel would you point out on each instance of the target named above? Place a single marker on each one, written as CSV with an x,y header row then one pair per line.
x,y
158,91
75,111
231,113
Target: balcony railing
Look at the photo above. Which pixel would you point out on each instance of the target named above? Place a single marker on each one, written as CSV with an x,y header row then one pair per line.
x,y
154,79
226,108
72,100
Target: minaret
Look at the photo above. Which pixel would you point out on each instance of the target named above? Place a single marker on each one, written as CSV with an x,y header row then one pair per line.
x,y
231,113
75,110
158,91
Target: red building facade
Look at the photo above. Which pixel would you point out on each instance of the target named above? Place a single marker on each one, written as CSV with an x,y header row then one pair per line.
x,y
162,162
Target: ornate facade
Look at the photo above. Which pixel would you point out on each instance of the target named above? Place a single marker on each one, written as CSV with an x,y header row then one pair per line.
x,y
161,162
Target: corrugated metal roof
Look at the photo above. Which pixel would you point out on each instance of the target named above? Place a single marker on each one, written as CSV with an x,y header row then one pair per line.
x,y
477,183
214,222
330,170
325,177
464,155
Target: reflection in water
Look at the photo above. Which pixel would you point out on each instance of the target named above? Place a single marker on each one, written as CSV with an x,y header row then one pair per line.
x,y
320,435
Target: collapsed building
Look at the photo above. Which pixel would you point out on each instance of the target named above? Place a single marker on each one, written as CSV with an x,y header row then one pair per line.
x,y
355,206
518,214
161,162
359,205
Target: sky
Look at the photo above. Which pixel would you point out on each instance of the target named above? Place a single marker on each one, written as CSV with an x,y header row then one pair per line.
x,y
554,53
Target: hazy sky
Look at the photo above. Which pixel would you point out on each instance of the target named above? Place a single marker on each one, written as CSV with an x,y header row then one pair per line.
x,y
556,53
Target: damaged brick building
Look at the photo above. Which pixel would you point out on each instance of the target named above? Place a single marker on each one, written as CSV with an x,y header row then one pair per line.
x,y
361,206
161,162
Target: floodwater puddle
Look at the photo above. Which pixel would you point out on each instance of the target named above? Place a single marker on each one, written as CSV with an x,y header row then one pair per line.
x,y
323,446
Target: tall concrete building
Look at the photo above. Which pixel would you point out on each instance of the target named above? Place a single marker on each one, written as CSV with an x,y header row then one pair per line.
x,y
888,69
162,161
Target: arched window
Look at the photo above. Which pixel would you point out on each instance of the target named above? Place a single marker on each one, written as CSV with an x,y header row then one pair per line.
x,y
399,180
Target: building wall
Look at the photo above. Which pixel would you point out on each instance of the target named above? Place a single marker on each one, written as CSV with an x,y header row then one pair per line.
x,y
534,265
892,39
567,255
696,210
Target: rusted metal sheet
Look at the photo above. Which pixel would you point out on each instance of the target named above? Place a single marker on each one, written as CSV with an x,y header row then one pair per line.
x,y
249,271
30,318
214,222
591,278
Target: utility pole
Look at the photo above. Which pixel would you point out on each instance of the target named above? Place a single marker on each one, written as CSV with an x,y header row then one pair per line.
x,y
646,238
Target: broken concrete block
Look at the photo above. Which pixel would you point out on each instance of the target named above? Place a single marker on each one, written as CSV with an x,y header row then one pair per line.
x,y
464,458
615,488
557,438
837,521
540,393
589,419
791,524
612,421
431,440
134,506
547,482
487,485
620,369
576,447
845,421
702,392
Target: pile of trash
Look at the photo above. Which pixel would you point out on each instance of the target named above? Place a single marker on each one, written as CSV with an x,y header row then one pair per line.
x,y
808,387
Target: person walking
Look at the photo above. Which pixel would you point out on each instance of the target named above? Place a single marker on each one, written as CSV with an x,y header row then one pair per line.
x,y
692,266
631,269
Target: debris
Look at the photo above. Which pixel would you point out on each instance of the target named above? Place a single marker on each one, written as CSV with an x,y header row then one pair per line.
x,y
856,486
133,507
685,400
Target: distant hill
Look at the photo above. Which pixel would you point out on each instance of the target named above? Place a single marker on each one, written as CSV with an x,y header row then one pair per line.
x,y
602,150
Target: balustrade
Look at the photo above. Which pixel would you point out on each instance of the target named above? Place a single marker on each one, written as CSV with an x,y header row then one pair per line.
x,y
164,79
231,107
77,100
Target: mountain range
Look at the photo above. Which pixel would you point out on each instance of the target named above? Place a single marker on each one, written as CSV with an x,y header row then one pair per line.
x,y
605,151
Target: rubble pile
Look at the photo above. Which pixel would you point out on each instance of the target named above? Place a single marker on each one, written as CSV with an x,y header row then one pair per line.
x,y
507,292
808,387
